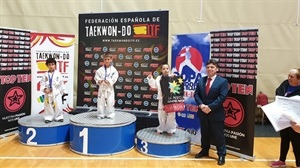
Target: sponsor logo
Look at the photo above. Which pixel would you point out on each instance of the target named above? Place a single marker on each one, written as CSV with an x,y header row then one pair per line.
x,y
87,93
113,49
137,96
129,95
155,73
127,87
147,49
138,103
86,63
154,57
120,101
138,80
121,56
144,65
122,72
120,79
95,100
136,87
144,87
128,102
93,85
129,49
156,49
129,57
88,48
136,64
147,72
86,85
146,57
88,100
147,96
129,72
146,103
121,94
128,64
154,104
105,49
138,50
118,87
138,57
121,49
96,56
138,73
97,49
145,80
94,63
128,79
155,96
119,64
88,77
154,65
95,93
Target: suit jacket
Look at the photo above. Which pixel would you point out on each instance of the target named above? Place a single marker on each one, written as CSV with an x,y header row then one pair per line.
x,y
214,99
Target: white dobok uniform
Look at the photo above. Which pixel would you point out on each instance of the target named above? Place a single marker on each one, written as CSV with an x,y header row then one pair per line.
x,y
106,92
53,101
167,121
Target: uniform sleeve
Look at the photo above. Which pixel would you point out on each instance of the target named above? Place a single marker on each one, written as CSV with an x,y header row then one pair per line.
x,y
152,82
43,83
97,76
62,87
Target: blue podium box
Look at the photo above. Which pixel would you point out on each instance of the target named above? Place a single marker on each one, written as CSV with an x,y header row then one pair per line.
x,y
34,131
92,136
163,145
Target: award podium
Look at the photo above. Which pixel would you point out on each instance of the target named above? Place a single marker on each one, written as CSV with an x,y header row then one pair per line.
x,y
163,145
34,131
92,136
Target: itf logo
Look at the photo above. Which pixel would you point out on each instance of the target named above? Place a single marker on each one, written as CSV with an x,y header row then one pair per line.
x,y
191,57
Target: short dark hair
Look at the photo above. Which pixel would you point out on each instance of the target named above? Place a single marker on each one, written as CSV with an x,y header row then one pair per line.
x,y
213,61
50,60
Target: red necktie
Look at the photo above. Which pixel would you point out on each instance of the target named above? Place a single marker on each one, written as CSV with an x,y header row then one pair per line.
x,y
207,87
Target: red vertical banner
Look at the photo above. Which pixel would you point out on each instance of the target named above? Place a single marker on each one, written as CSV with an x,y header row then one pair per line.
x,y
15,78
237,53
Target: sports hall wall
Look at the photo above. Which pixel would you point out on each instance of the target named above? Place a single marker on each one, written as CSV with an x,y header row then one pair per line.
x,y
278,22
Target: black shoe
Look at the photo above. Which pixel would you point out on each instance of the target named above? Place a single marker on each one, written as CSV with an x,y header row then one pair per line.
x,y
221,160
60,120
201,154
47,121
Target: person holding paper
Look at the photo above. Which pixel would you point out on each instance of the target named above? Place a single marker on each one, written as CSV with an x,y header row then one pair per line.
x,y
296,127
289,88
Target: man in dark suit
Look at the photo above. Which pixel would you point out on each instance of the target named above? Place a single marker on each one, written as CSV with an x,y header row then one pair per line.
x,y
210,93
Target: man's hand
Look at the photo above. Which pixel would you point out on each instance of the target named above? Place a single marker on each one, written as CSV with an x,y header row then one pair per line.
x,y
205,108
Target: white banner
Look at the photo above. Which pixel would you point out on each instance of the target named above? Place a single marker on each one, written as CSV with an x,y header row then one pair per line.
x,y
60,47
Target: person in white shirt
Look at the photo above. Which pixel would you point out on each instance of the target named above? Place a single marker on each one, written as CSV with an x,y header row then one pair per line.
x,y
106,76
167,121
53,86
